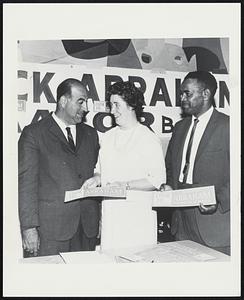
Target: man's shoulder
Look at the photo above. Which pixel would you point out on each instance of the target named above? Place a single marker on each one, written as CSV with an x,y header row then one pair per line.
x,y
183,121
221,120
39,125
87,128
221,116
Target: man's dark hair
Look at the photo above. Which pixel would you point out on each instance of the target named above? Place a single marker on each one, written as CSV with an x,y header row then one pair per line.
x,y
64,87
130,94
205,78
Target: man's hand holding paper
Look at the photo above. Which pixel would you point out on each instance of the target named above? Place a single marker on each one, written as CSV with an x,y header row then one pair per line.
x,y
92,182
204,209
207,209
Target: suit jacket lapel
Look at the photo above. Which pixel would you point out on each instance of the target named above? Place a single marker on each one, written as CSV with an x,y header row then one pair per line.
x,y
207,134
56,130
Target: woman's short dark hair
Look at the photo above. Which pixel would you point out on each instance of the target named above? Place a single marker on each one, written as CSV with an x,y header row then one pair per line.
x,y
129,93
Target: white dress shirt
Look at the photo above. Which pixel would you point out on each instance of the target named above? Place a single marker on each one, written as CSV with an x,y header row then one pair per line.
x,y
200,128
63,126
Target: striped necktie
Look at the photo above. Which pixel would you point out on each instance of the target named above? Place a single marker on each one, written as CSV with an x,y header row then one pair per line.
x,y
188,151
70,138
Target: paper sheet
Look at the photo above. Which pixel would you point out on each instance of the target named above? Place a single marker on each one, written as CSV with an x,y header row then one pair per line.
x,y
87,257
114,192
173,252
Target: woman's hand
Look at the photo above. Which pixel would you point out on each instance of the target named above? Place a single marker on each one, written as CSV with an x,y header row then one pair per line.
x,y
117,183
165,187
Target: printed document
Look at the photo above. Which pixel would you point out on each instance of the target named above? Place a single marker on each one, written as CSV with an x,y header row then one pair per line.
x,y
113,192
176,198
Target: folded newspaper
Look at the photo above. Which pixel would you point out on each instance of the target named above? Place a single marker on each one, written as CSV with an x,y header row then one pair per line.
x,y
175,198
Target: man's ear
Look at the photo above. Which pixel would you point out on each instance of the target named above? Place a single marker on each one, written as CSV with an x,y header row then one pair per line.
x,y
63,101
206,94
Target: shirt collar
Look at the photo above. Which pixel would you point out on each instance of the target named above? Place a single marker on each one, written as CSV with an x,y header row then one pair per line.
x,y
205,116
61,123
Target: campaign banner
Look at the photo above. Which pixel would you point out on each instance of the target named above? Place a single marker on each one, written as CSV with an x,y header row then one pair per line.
x,y
37,84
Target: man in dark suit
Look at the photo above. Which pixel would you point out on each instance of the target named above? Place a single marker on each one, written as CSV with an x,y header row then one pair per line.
x,y
52,160
200,159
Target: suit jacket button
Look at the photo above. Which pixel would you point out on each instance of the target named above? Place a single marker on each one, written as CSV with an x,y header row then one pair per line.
x,y
80,176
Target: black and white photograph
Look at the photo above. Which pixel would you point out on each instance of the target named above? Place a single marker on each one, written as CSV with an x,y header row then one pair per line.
x,y
121,150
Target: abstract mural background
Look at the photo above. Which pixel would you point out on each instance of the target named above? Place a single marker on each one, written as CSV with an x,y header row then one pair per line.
x,y
158,55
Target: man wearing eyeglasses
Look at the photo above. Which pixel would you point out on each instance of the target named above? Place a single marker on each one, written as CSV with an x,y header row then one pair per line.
x,y
198,155
58,154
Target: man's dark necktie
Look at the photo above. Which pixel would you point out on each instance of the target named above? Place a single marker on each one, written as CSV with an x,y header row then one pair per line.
x,y
188,151
70,138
